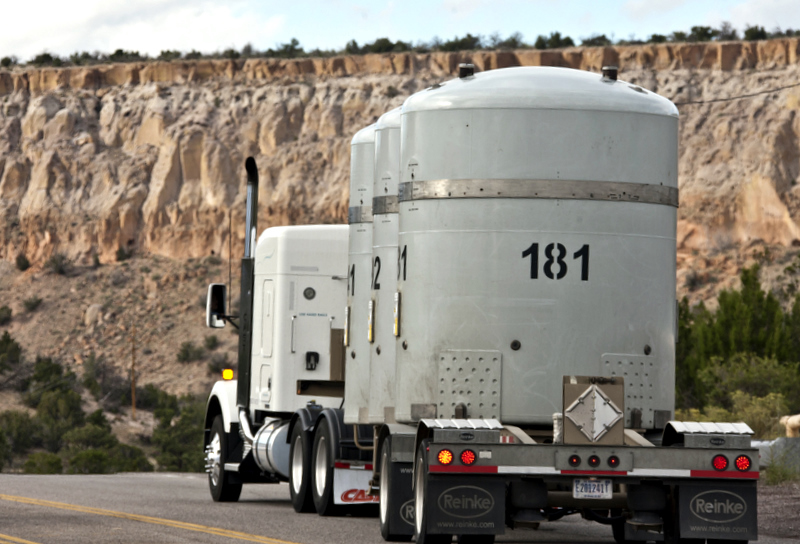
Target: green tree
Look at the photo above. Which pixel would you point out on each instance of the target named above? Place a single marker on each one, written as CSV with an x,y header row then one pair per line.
x,y
179,434
22,431
58,412
755,32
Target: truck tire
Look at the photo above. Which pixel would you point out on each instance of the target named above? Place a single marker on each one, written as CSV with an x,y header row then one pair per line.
x,y
387,494
219,482
300,470
323,458
420,492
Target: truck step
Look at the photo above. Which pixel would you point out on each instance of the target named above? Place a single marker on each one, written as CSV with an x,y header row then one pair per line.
x,y
231,467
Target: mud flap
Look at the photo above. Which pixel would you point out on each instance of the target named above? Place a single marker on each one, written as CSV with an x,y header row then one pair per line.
x,y
718,510
350,486
467,506
402,516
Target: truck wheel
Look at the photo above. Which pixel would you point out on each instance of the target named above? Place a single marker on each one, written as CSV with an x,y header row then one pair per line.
x,y
387,494
300,470
322,469
219,482
420,492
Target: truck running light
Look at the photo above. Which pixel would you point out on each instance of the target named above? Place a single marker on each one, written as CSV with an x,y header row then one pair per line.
x,y
720,462
594,461
445,457
467,457
742,463
574,460
613,461
227,374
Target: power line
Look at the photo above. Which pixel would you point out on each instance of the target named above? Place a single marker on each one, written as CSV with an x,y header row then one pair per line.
x,y
739,97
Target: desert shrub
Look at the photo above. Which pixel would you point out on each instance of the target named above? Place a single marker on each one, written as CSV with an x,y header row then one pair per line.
x,y
5,315
780,470
188,352
123,254
32,303
21,430
43,463
213,260
90,462
10,352
58,263
211,342
760,413
88,437
22,262
755,376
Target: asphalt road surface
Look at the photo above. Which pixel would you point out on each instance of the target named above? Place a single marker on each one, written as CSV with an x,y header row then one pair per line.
x,y
177,508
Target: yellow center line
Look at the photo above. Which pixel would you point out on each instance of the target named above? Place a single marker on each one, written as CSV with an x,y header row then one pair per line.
x,y
145,519
6,539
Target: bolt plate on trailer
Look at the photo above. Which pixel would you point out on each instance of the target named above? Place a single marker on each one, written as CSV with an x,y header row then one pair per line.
x,y
471,378
639,374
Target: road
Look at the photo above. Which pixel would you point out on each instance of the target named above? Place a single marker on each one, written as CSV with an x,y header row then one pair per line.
x,y
176,508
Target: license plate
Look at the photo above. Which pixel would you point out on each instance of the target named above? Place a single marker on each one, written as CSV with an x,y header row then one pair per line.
x,y
592,489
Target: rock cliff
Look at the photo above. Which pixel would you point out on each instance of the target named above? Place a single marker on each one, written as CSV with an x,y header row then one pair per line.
x,y
148,157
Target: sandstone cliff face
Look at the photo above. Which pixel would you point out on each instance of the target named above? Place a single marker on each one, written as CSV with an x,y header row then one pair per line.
x,y
149,156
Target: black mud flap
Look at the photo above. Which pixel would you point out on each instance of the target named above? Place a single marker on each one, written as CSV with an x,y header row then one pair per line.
x,y
465,506
402,517
718,510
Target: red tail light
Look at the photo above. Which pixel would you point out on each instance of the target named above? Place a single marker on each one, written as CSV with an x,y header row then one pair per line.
x,y
743,463
720,462
613,461
594,461
468,457
574,460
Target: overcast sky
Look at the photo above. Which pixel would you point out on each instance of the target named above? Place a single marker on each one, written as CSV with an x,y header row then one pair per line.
x,y
150,26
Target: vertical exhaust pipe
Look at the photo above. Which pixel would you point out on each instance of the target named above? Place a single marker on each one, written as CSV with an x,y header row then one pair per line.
x,y
247,286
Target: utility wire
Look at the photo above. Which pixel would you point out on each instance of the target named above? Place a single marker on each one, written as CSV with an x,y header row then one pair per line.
x,y
739,97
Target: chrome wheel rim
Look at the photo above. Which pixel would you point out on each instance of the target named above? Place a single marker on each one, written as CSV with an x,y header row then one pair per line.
x,y
384,492
213,455
297,464
321,466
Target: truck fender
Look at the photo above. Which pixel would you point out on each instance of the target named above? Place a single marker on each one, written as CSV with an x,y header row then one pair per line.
x,y
338,428
306,418
387,430
222,401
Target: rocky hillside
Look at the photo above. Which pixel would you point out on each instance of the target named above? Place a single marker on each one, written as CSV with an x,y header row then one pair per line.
x,y
148,158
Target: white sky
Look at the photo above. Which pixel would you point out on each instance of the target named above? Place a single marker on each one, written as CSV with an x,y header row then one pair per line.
x,y
149,26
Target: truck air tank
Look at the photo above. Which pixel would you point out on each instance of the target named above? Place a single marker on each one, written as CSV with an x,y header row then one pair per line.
x,y
537,212
384,267
362,168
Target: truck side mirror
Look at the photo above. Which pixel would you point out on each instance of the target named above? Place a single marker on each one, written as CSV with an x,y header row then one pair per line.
x,y
215,306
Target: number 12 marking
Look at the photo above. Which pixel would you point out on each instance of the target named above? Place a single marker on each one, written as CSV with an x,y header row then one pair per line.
x,y
555,267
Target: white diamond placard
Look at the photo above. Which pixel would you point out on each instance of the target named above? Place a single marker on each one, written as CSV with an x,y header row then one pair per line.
x,y
593,413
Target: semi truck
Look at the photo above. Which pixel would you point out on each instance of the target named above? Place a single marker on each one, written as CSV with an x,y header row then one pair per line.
x,y
490,341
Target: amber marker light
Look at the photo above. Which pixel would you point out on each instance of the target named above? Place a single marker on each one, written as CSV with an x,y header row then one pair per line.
x,y
445,457
720,462
468,457
227,374
742,463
